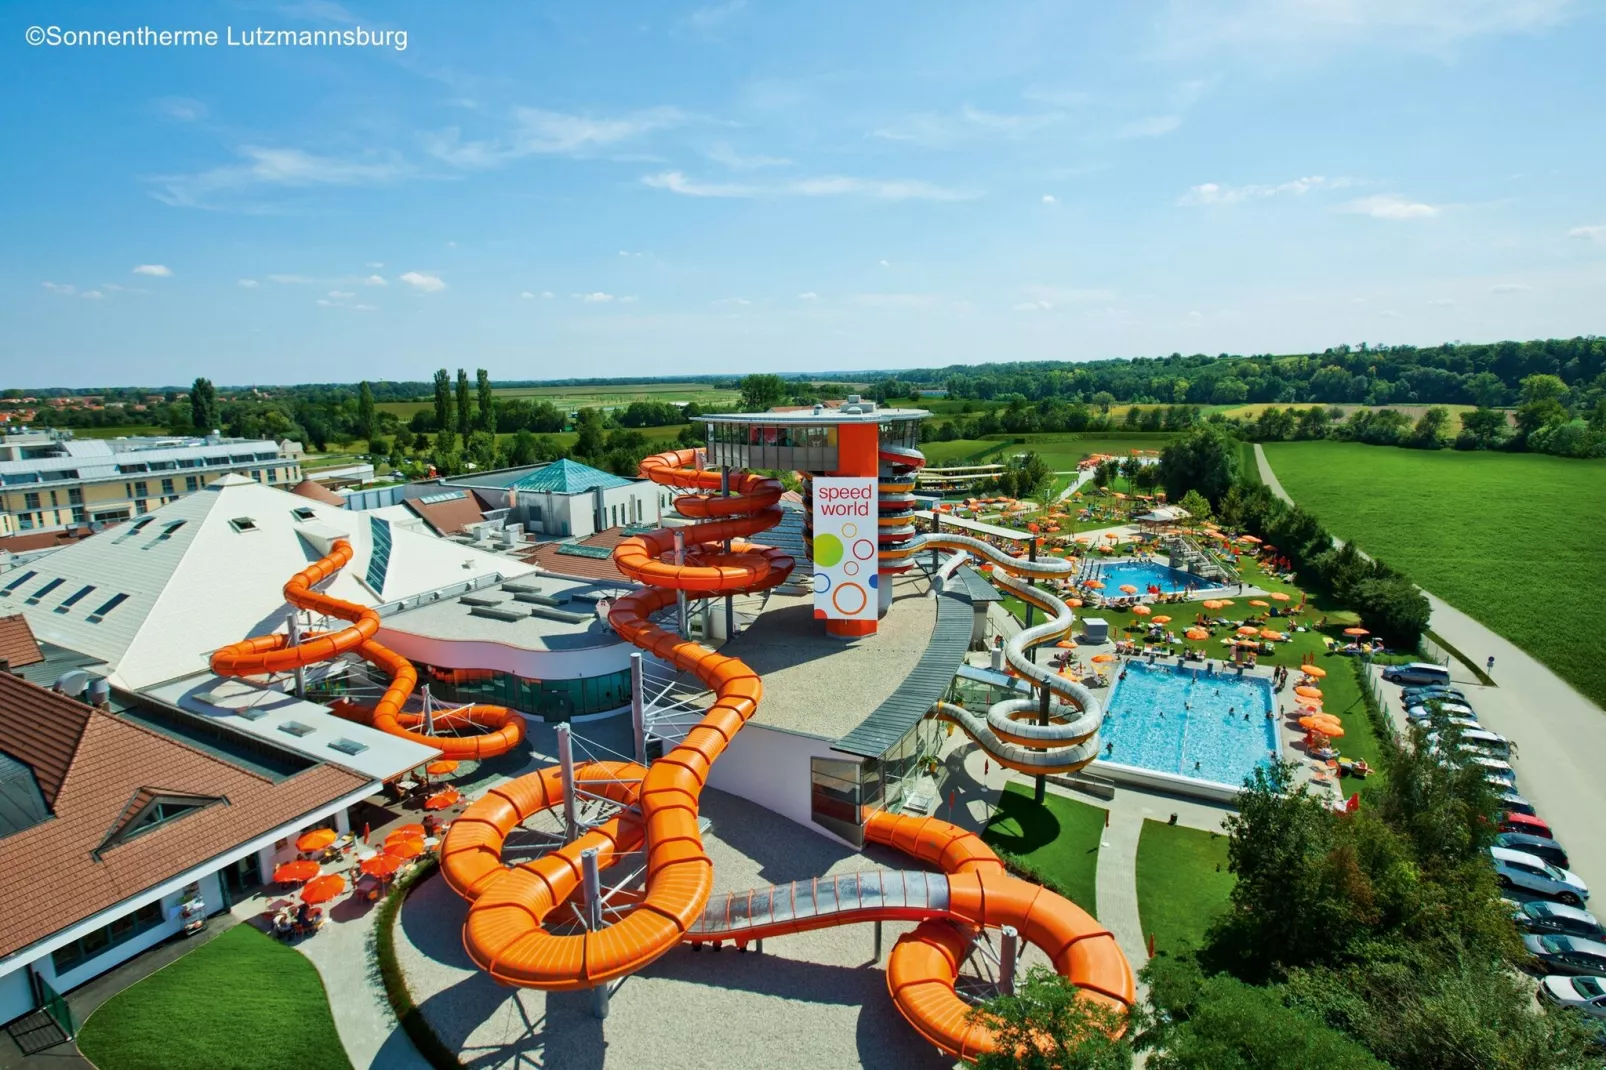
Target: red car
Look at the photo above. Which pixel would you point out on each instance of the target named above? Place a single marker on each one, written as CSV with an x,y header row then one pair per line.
x,y
1526,823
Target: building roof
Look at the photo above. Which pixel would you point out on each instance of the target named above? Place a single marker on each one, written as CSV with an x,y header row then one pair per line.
x,y
44,540
42,736
58,872
561,558
18,647
311,488
568,477
447,511
210,567
1165,514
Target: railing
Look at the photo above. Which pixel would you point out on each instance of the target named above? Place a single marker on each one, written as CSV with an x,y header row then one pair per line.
x,y
1428,650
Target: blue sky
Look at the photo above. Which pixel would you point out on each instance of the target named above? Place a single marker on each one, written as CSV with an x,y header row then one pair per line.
x,y
560,189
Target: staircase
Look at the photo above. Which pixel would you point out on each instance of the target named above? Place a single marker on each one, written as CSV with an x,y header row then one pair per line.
x,y
788,536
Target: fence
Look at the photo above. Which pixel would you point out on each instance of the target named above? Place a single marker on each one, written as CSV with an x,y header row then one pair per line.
x,y
1431,651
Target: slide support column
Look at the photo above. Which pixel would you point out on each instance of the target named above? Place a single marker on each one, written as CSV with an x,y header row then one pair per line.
x,y
295,640
1008,950
571,812
638,708
730,600
591,878
680,594
1040,789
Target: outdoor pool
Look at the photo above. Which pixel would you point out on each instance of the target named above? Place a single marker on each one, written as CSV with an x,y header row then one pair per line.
x,y
1197,736
1143,575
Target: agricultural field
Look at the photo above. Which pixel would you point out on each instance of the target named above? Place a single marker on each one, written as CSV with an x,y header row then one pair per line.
x,y
579,397
1414,412
1512,539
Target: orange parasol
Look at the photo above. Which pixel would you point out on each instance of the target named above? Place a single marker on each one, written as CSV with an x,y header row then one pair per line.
x,y
1127,588
1307,691
1074,603
381,865
1258,604
1247,538
1214,603
1142,611
1113,536
1267,633
1331,729
1315,672
442,799
1246,631
316,840
1094,584
1103,659
405,848
442,767
1356,631
295,872
1196,634
1065,644
1162,619
1225,602
1278,596
414,829
323,889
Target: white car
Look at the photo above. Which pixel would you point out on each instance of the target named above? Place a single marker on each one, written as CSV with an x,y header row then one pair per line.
x,y
1449,709
1586,994
1517,869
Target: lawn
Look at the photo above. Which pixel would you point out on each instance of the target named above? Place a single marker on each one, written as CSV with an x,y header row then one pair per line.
x,y
241,1000
1183,884
941,453
1058,840
1464,524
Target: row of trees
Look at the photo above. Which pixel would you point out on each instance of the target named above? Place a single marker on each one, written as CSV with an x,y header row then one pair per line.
x,y
1056,415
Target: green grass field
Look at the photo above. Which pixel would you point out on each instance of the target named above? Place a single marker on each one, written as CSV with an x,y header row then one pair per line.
x,y
940,453
579,397
1061,451
1059,839
1514,540
1183,884
241,1000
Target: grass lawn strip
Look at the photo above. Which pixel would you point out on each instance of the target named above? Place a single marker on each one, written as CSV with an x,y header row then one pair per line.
x,y
241,1000
1183,884
1057,841
1512,540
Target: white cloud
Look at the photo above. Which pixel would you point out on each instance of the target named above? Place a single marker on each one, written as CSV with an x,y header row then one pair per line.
x,y
597,298
451,245
341,295
1389,314
1593,233
1209,193
809,296
181,109
628,299
1442,302
1510,288
1151,126
365,308
970,123
93,295
733,301
546,294
420,281
60,287
724,154
272,167
1033,306
249,284
824,186
886,263
376,280
1049,198
1390,206
629,255
159,270
537,132
527,295
112,287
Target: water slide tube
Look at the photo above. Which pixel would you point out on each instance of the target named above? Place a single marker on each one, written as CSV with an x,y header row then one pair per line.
x,y
496,730
505,933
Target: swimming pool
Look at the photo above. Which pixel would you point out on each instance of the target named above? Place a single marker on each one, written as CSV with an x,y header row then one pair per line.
x,y
1177,721
1145,574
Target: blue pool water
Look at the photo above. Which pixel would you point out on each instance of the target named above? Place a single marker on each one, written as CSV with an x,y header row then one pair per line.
x,y
1202,740
1144,574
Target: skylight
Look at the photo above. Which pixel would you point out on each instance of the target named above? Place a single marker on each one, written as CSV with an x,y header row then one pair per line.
x,y
74,598
106,607
303,514
46,589
243,524
297,729
167,532
18,582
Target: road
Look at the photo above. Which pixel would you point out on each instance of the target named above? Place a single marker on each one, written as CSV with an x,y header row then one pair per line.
x,y
1560,735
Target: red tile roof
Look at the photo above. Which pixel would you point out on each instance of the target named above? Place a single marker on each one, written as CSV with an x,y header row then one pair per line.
x,y
309,488
448,517
17,644
44,540
49,877
546,556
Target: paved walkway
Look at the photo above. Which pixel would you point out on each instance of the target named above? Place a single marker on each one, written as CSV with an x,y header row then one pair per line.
x,y
1561,744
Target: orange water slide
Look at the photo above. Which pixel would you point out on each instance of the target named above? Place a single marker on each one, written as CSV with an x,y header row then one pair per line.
x,y
490,730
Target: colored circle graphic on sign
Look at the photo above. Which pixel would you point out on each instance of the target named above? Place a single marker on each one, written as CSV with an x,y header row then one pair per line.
x,y
849,530
853,594
822,582
864,549
827,550
850,568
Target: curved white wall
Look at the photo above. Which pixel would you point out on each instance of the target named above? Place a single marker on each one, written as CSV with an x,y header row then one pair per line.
x,y
501,657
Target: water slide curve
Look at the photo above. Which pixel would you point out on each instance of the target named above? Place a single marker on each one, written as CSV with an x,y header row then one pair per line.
x,y
507,931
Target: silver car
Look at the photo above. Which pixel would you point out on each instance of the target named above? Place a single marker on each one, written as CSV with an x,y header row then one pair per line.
x,y
1586,994
1517,869
1567,954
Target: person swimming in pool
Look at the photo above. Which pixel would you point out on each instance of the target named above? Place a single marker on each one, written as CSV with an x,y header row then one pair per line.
x,y
1109,748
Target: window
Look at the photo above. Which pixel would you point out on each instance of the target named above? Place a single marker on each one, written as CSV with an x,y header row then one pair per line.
x,y
106,607
273,475
54,501
167,532
46,589
118,932
30,500
191,483
303,514
142,507
25,521
78,514
167,486
75,496
142,489
243,524
18,582
74,598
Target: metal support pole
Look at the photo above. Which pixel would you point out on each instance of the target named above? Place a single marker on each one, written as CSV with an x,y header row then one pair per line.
x,y
936,529
1009,948
571,812
680,595
591,880
295,640
1031,555
730,600
877,942
638,708
1041,787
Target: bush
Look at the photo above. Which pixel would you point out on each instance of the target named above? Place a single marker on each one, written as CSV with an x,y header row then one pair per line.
x,y
1394,609
397,994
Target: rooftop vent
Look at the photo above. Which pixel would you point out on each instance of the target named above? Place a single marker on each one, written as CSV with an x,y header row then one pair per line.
x,y
297,729
348,746
243,524
303,514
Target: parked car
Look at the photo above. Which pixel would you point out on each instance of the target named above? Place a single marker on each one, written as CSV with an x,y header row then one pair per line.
x,y
1417,672
1415,695
1567,954
1533,826
1586,993
1452,710
1513,803
1560,919
1498,773
1530,873
1539,846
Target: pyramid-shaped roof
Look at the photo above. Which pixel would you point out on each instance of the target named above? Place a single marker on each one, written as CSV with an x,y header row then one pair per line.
x,y
153,598
568,477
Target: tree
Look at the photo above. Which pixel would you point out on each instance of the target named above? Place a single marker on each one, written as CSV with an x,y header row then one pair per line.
x,y
1394,609
1229,391
1431,430
487,401
522,451
1026,476
1482,429
1205,459
1195,503
1543,388
443,400
203,405
760,393
592,441
1104,399
1486,389
403,440
465,405
1046,1025
366,422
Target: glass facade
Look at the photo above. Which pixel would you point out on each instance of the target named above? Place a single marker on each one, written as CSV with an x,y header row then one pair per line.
x,y
843,791
551,700
788,447
901,433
